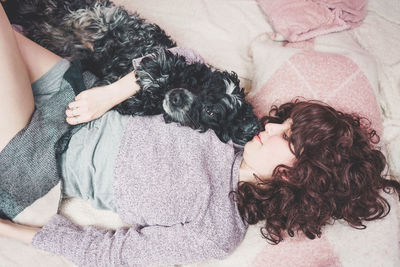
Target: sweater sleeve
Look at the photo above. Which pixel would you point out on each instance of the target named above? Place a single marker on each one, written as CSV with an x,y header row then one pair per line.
x,y
151,245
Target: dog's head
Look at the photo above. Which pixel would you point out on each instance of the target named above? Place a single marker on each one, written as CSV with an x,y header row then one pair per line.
x,y
196,95
214,102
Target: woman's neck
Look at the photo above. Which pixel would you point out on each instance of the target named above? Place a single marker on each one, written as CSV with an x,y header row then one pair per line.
x,y
246,174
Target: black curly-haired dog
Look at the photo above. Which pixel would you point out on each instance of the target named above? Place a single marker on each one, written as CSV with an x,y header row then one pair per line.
x,y
106,38
194,95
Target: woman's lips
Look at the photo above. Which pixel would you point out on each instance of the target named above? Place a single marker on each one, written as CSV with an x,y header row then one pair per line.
x,y
258,138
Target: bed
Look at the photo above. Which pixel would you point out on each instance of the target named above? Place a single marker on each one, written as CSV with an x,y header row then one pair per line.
x,y
236,35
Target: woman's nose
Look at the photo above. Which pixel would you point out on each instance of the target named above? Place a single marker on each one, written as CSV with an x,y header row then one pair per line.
x,y
273,128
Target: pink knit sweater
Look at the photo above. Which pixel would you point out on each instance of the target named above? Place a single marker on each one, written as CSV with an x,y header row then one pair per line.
x,y
172,185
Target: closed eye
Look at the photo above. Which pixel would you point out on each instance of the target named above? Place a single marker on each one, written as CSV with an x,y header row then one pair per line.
x,y
285,136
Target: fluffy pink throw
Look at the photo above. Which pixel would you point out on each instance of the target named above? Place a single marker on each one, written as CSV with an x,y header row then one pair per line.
x,y
299,20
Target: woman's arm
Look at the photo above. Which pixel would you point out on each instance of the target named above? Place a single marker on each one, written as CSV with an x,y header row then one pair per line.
x,y
151,245
19,232
93,103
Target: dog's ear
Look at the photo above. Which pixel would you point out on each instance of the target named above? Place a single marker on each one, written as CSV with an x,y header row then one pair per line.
x,y
231,87
232,84
245,125
162,69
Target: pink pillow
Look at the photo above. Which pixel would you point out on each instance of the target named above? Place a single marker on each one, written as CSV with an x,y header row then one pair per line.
x,y
299,20
313,75
298,251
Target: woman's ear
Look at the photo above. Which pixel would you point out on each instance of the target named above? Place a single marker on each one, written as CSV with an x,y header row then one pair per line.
x,y
285,177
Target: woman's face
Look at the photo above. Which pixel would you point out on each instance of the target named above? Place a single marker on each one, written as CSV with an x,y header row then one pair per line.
x,y
269,149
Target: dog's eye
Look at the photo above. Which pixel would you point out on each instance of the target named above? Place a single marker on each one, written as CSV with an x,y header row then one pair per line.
x,y
209,111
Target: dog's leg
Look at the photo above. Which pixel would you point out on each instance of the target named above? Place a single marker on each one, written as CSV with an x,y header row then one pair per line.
x,y
116,37
105,37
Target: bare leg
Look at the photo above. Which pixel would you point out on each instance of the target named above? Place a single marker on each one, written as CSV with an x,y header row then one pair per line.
x,y
38,60
22,62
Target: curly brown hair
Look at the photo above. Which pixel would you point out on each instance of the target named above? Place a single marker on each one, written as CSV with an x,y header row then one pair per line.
x,y
338,174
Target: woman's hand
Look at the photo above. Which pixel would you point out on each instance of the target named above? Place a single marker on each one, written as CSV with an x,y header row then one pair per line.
x,y
90,105
93,103
16,231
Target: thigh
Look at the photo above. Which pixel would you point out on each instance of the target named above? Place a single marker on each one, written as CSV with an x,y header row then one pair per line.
x,y
16,99
38,60
22,63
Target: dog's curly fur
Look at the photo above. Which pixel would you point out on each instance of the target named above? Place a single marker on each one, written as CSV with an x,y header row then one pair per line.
x,y
106,38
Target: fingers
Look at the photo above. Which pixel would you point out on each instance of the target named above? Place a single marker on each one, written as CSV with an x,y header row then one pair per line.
x,y
76,107
74,113
77,119
74,104
78,112
73,116
85,107
74,120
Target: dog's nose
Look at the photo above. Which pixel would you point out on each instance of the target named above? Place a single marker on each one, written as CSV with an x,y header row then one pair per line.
x,y
176,98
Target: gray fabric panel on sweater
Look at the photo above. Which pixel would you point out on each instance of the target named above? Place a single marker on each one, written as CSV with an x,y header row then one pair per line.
x,y
88,164
28,165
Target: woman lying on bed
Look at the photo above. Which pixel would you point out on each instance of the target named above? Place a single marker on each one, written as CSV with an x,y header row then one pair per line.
x,y
188,196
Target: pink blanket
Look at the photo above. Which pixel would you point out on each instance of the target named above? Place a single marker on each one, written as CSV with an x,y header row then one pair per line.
x,y
299,20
